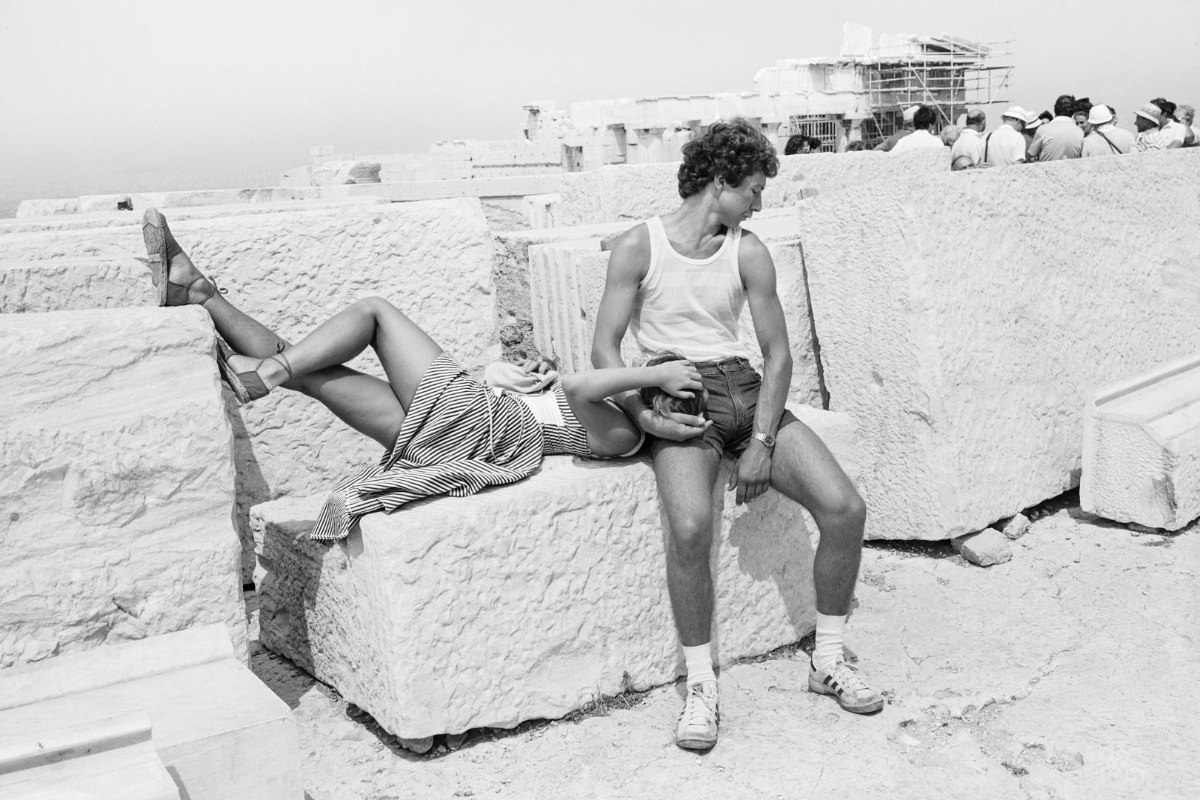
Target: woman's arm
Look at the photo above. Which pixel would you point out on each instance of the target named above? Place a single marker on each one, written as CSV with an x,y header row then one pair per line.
x,y
678,378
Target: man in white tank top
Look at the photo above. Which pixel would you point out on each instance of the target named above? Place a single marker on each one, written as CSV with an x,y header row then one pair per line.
x,y
679,282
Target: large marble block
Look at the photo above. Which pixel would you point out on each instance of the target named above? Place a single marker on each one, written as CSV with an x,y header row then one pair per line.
x,y
72,283
294,267
1141,448
217,729
117,486
566,282
965,320
510,273
636,191
107,759
524,601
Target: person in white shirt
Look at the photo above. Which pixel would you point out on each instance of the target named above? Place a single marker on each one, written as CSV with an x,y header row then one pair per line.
x,y
1149,121
1105,137
922,137
1175,134
1006,145
968,150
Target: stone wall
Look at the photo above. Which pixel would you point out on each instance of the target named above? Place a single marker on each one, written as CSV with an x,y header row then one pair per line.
x,y
292,269
118,482
965,320
630,193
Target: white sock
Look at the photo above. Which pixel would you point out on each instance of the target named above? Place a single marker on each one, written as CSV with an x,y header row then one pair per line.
x,y
698,662
828,649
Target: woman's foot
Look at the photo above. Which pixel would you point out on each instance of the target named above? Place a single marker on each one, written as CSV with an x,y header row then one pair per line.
x,y
251,378
174,275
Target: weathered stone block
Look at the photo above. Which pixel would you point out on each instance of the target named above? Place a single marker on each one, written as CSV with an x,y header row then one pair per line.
x,y
965,332
1141,448
541,210
337,173
48,208
1014,527
637,191
76,283
118,486
567,282
524,601
516,314
292,269
220,732
985,548
109,759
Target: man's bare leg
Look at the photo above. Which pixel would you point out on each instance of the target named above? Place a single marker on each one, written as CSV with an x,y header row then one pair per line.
x,y
686,473
803,469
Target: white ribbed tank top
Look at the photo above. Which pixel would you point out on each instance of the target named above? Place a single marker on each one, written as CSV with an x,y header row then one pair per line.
x,y
690,305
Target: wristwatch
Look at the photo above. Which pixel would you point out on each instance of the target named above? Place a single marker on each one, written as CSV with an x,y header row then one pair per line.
x,y
766,438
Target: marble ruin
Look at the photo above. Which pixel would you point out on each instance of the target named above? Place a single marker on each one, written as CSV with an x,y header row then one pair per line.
x,y
216,731
964,350
1141,448
559,592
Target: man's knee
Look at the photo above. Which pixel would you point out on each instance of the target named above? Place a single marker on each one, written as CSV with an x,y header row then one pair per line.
x,y
843,509
690,537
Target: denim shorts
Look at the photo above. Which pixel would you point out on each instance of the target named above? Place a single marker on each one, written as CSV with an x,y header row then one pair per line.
x,y
732,386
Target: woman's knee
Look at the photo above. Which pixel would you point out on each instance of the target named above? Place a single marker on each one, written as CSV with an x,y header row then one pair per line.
x,y
372,304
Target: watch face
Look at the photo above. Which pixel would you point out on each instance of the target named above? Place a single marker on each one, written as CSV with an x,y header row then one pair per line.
x,y
766,439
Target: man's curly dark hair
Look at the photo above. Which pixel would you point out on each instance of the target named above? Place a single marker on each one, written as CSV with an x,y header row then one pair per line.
x,y
733,150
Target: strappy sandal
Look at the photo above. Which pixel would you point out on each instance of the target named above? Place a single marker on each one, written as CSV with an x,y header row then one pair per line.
x,y
247,386
161,247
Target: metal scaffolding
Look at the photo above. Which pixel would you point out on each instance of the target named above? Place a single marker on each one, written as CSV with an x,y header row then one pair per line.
x,y
947,73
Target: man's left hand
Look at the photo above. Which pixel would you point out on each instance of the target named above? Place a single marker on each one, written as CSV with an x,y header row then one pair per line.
x,y
752,476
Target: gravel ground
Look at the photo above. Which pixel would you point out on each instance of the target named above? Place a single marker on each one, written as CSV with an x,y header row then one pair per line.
x,y
1066,672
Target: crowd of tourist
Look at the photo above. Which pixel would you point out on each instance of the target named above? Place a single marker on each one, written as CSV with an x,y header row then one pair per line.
x,y
1078,128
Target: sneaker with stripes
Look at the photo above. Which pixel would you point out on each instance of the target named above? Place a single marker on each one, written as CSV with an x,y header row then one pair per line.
x,y
847,685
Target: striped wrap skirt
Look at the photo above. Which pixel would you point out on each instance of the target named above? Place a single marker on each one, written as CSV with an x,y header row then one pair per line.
x,y
457,437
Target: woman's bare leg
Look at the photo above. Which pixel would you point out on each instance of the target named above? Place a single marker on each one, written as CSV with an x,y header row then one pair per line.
x,y
404,350
364,402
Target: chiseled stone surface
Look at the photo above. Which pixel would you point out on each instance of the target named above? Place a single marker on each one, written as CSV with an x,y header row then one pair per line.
x,y
1007,682
985,548
517,315
523,601
218,730
73,283
965,322
637,191
567,281
292,269
46,208
1141,448
118,486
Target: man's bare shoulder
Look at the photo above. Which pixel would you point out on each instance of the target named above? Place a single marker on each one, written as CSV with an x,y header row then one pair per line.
x,y
631,250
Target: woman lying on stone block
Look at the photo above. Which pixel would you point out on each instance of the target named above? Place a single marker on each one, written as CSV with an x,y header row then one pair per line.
x,y
445,432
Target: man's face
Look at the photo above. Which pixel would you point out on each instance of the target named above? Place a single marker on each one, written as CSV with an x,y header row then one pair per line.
x,y
738,203
1143,124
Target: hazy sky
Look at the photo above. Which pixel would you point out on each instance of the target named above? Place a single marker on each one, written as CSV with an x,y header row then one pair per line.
x,y
111,85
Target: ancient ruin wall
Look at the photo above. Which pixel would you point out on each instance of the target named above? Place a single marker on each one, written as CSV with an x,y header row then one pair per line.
x,y
966,319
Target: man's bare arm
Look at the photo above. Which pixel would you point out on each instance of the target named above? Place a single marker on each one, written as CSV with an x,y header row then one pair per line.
x,y
753,474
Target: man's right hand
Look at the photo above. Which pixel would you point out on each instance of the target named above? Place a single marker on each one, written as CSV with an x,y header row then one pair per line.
x,y
671,426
